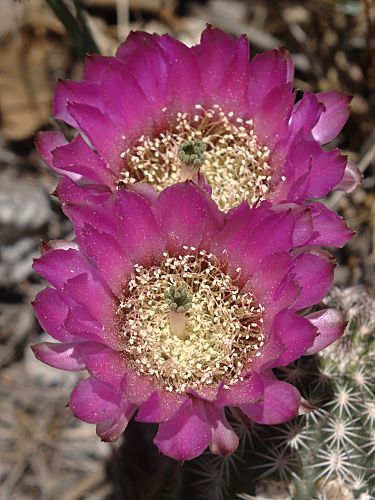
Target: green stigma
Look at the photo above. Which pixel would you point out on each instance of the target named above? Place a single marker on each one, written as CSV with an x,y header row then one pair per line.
x,y
178,298
192,153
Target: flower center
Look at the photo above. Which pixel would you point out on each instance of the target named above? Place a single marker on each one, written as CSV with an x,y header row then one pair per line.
x,y
226,148
186,324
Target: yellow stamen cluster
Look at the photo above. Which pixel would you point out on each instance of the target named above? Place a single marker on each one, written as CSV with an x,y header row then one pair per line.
x,y
223,327
235,164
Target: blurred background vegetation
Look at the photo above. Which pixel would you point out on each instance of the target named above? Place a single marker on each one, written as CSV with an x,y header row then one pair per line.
x,y
45,453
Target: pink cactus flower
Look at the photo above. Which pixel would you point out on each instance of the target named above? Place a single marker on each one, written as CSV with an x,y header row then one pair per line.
x,y
135,113
177,311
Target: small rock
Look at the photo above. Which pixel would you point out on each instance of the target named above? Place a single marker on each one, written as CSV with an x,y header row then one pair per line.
x,y
24,208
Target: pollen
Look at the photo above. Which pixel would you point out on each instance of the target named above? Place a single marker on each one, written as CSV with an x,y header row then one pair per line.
x,y
234,163
223,329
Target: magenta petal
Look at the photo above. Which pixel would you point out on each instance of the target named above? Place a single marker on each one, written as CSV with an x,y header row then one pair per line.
x,y
245,391
272,116
305,114
63,356
138,231
109,257
111,429
224,440
145,190
273,285
281,402
138,388
334,117
125,103
94,402
195,220
205,393
331,166
96,66
71,192
352,179
183,85
314,274
59,266
329,228
284,296
249,235
93,295
312,172
105,364
330,324
69,91
271,351
161,406
266,280
304,227
85,207
289,64
275,236
124,96
82,325
232,95
240,224
146,61
46,142
267,71
214,54
135,42
103,133
296,333
300,190
224,65
78,157
186,435
51,311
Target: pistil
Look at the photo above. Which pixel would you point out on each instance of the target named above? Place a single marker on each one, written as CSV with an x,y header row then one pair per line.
x,y
191,154
179,301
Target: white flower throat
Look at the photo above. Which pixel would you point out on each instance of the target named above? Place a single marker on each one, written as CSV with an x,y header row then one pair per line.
x,y
233,162
185,323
